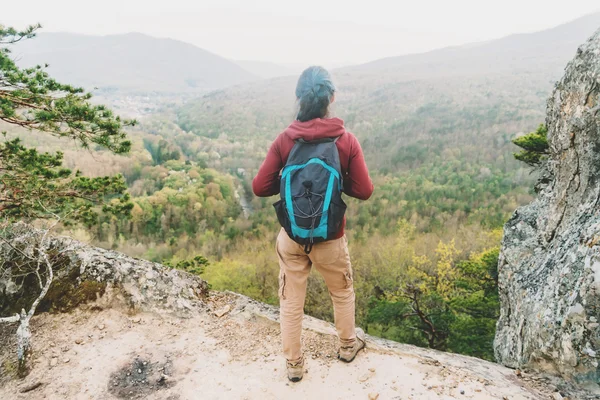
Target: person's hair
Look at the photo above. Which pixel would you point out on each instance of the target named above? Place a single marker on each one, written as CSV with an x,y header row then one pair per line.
x,y
314,92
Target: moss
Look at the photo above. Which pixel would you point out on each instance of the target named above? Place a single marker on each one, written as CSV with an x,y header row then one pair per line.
x,y
66,294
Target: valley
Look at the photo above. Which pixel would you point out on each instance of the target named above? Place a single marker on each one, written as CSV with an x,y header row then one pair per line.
x,y
436,129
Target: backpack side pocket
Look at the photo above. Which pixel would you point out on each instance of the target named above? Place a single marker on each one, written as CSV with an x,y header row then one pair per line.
x,y
337,210
282,216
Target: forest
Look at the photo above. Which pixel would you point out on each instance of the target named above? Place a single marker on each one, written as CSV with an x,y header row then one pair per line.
x,y
424,247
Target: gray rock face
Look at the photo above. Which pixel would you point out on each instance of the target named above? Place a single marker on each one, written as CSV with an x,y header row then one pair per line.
x,y
83,273
549,270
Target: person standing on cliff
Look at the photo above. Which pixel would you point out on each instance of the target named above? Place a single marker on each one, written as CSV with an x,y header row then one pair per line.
x,y
310,164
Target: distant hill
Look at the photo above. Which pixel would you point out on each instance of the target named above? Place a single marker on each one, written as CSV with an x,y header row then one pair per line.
x,y
547,50
460,105
265,69
130,62
513,74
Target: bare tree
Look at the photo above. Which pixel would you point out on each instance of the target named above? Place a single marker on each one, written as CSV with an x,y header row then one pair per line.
x,y
25,252
436,338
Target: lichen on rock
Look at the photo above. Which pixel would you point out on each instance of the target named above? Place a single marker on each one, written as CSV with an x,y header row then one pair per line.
x,y
549,269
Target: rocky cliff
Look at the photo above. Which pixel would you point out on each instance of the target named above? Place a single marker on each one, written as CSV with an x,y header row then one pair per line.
x,y
549,270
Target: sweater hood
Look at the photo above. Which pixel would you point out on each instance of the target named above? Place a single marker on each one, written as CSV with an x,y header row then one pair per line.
x,y
317,128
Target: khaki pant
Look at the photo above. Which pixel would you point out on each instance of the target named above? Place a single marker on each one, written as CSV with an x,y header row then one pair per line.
x,y
332,260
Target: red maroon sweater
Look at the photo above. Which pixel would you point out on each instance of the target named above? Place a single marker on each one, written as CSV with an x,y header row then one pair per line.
x,y
357,182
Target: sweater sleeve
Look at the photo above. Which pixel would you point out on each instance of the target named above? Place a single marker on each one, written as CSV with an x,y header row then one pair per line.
x,y
266,182
357,182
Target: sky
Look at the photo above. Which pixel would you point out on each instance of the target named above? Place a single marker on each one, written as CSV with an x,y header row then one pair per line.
x,y
326,32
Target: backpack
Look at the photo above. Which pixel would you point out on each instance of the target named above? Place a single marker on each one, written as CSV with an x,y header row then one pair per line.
x,y
311,209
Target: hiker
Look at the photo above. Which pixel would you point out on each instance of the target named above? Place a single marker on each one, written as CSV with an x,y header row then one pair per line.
x,y
310,164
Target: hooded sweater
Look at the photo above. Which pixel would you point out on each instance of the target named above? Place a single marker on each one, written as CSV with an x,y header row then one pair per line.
x,y
356,179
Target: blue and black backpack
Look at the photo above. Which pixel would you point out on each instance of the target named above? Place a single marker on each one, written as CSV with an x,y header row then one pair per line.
x,y
311,209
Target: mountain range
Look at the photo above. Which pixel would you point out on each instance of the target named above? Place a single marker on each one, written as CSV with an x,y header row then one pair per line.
x,y
130,62
141,63
437,116
548,48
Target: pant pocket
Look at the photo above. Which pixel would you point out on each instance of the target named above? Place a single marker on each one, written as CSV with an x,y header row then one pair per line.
x,y
281,285
349,278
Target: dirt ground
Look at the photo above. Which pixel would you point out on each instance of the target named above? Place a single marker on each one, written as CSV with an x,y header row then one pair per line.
x,y
110,354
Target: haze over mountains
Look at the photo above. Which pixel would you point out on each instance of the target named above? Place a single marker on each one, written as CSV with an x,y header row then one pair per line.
x,y
267,70
131,62
141,63
549,48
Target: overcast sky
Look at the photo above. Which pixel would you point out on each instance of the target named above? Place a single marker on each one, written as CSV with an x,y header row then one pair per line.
x,y
304,32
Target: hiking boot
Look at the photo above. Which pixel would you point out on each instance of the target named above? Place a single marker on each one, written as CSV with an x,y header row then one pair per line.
x,y
348,353
295,370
